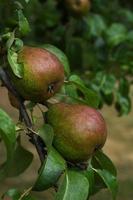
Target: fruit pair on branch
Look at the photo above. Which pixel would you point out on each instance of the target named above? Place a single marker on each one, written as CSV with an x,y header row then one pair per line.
x,y
79,130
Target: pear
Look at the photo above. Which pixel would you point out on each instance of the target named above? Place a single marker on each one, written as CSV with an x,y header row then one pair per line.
x,y
79,130
43,74
78,7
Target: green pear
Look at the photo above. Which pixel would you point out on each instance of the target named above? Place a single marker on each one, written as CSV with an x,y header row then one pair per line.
x,y
79,130
78,7
43,74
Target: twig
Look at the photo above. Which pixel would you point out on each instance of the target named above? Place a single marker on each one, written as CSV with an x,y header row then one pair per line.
x,y
36,140
26,193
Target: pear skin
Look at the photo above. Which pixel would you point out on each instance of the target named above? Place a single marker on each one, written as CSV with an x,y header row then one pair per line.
x,y
43,74
79,130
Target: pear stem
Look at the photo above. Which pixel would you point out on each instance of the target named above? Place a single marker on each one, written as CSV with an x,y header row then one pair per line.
x,y
36,140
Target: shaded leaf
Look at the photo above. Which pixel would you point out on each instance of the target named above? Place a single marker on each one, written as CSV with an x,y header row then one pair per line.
x,y
123,104
89,173
106,172
21,160
95,182
90,97
8,134
105,162
15,194
109,84
46,133
109,180
51,170
116,34
96,24
124,86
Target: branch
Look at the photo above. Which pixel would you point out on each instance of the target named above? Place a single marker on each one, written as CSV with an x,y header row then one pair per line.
x,y
36,140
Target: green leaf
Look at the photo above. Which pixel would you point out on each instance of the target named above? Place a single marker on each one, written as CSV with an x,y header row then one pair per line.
x,y
89,173
16,67
116,34
109,180
46,133
71,90
90,96
51,170
108,85
106,170
18,44
60,55
74,186
24,27
130,36
123,104
10,40
124,86
105,162
96,24
127,15
70,95
95,182
107,98
15,194
8,134
21,160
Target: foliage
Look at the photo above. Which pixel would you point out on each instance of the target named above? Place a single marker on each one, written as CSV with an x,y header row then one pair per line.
x,y
98,47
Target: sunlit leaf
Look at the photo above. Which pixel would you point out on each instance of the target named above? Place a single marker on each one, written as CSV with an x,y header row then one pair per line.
x,y
74,186
16,67
10,40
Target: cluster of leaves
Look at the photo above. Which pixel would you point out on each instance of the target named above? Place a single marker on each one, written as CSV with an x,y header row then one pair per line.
x,y
102,41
